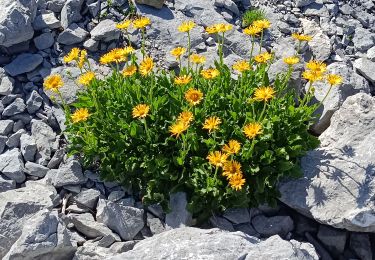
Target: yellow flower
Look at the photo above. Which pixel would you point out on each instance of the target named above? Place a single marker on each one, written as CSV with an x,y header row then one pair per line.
x,y
178,128
241,66
72,55
186,26
210,73
127,50
233,147
123,25
262,24
193,96
140,111
141,22
211,29
217,158
82,58
263,57
334,79
291,60
197,59
312,76
212,123
222,27
116,55
186,117
146,66
182,80
86,78
80,114
129,70
231,168
178,52
237,181
317,66
252,30
264,93
252,130
301,37
53,82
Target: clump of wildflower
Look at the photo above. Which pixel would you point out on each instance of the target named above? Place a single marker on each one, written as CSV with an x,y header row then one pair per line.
x,y
193,96
241,66
210,73
129,70
124,25
264,93
146,66
197,59
182,80
186,116
116,55
252,130
217,158
302,37
237,181
178,52
231,168
223,27
53,82
312,76
186,26
263,57
81,114
212,29
252,30
141,22
178,128
317,66
262,24
86,78
291,60
72,55
334,79
140,111
82,58
233,147
212,123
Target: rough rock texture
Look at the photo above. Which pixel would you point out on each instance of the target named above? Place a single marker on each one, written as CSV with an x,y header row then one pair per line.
x,y
193,243
179,215
11,165
68,174
23,63
338,186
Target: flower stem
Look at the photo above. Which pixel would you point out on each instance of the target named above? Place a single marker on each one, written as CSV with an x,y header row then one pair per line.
x,y
329,90
189,51
143,43
261,114
260,43
252,48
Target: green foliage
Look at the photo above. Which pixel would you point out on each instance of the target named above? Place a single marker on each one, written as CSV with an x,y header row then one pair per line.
x,y
252,15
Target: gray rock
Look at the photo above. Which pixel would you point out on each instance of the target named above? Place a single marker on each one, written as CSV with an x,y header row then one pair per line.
x,y
277,225
360,243
46,20
44,237
338,183
72,35
122,247
87,197
91,45
352,84
194,243
6,126
366,68
68,174
15,21
154,3
126,221
44,41
3,140
14,140
16,208
316,9
70,12
34,102
229,5
221,223
35,169
23,63
322,252
320,46
105,31
11,165
179,215
302,3
6,85
45,139
363,39
247,228
94,7
155,224
333,239
92,252
6,184
28,147
237,215
55,5
370,55
16,107
56,158
116,195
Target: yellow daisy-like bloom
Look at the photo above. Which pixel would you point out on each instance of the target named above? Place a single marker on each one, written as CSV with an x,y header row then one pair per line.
x,y
116,55
82,59
241,66
129,70
197,59
186,116
182,80
186,26
127,50
124,25
231,168
193,96
81,114
146,66
178,52
302,37
140,111
141,22
237,181
212,123
317,66
334,79
263,57
53,82
312,76
72,55
252,30
264,93
210,73
86,78
217,158
223,27
252,130
178,128
233,147
262,24
212,29
291,60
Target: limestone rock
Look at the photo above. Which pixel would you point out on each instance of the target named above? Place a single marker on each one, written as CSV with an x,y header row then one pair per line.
x,y
179,215
72,35
46,20
70,12
11,165
338,183
45,139
69,173
28,147
88,198
277,225
366,68
23,63
6,184
154,3
105,31
35,169
7,83
16,107
333,239
44,41
6,126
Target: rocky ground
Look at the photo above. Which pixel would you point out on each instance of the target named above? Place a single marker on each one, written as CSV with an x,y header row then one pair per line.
x,y
51,208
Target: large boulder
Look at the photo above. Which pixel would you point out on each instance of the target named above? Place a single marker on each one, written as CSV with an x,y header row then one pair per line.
x,y
16,19
338,186
16,208
194,243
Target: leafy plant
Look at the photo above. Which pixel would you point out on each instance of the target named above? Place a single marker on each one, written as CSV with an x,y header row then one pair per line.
x,y
252,15
224,139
